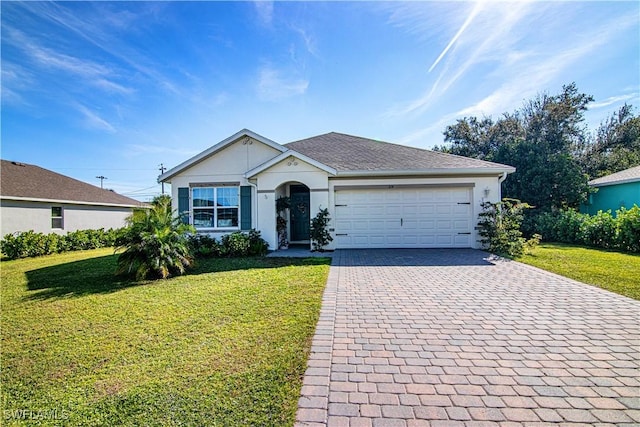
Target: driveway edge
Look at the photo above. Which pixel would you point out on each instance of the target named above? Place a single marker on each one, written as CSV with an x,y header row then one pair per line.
x,y
314,401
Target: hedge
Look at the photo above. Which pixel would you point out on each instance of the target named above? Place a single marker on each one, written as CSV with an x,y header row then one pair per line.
x,y
31,244
230,245
603,230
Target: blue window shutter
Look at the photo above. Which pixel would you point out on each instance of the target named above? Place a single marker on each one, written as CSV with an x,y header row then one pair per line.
x,y
245,207
183,204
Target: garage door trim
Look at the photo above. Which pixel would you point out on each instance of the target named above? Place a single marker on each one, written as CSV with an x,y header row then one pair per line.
x,y
390,186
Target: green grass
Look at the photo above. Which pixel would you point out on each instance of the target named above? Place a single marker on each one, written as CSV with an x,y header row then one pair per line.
x,y
614,271
225,345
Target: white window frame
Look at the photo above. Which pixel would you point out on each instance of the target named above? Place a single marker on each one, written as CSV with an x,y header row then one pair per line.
x,y
61,218
215,208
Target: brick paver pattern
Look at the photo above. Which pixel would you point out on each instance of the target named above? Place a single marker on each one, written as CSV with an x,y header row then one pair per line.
x,y
453,338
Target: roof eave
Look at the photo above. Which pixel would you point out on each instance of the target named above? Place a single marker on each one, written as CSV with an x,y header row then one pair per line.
x,y
165,177
431,171
74,202
622,181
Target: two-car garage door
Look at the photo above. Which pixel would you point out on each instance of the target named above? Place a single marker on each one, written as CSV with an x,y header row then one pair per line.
x,y
403,217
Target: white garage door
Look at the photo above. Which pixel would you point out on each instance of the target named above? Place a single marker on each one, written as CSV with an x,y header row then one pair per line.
x,y
413,217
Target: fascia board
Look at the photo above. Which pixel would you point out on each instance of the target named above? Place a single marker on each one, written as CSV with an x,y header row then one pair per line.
x,y
73,202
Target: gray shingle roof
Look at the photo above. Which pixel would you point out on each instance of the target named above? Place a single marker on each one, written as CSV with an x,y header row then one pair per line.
x,y
33,182
627,175
351,153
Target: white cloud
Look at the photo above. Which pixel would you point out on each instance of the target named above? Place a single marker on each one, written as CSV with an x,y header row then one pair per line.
x,y
614,100
94,121
455,38
264,9
273,86
146,149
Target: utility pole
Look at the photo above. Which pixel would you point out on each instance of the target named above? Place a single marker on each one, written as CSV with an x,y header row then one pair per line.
x,y
162,169
101,178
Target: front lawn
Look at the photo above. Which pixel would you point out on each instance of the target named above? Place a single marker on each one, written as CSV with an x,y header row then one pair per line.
x,y
614,271
224,345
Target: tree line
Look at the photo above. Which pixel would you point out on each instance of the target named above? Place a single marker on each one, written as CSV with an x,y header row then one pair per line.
x,y
552,149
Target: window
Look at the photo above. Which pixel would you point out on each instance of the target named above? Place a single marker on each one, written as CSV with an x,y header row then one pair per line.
x,y
56,217
215,207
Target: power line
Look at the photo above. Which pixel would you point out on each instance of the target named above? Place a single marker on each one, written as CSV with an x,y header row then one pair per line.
x,y
137,191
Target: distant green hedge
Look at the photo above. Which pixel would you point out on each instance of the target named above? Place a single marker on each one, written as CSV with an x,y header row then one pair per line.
x,y
31,244
602,230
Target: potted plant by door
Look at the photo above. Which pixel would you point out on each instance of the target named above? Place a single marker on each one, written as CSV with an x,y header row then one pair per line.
x,y
282,204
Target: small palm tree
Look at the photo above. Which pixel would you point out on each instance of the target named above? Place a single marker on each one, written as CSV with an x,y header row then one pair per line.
x,y
155,244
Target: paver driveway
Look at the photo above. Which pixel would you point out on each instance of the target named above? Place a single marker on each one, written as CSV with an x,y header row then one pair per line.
x,y
445,337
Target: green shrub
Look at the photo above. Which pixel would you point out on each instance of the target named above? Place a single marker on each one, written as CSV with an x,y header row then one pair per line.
x,y
155,244
204,246
30,244
257,245
320,236
598,230
628,229
235,244
602,230
500,227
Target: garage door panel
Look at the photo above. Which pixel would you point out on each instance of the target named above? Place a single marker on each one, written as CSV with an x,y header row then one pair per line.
x,y
403,217
424,210
442,209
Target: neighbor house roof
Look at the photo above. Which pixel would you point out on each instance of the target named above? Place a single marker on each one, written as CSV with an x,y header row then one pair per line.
x,y
627,175
21,181
347,153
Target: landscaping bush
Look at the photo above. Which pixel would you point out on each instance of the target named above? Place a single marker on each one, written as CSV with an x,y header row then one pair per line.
x,y
31,244
500,228
320,236
257,245
155,244
598,230
204,246
235,244
602,230
628,229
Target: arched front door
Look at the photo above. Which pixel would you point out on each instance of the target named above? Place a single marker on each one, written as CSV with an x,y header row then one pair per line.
x,y
299,212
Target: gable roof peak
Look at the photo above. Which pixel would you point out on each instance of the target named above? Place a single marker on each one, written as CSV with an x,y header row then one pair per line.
x,y
216,148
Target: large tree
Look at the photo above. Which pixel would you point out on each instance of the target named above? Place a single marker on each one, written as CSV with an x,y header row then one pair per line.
x,y
615,145
540,139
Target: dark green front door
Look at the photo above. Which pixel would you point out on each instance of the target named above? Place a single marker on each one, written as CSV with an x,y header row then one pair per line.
x,y
299,213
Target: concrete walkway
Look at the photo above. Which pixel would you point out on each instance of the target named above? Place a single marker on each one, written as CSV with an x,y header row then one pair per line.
x,y
449,338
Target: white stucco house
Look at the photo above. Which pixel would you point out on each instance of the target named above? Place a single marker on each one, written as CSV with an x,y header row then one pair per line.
x,y
34,198
379,194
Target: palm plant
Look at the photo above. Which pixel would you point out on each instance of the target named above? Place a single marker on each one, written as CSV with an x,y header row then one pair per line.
x,y
155,244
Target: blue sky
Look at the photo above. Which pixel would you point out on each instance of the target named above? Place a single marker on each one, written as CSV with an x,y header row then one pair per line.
x,y
117,88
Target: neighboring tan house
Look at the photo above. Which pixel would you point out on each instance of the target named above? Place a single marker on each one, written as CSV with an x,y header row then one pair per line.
x,y
620,189
379,195
33,198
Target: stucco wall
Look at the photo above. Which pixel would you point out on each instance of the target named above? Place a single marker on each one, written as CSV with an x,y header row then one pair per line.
x,y
18,216
613,197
